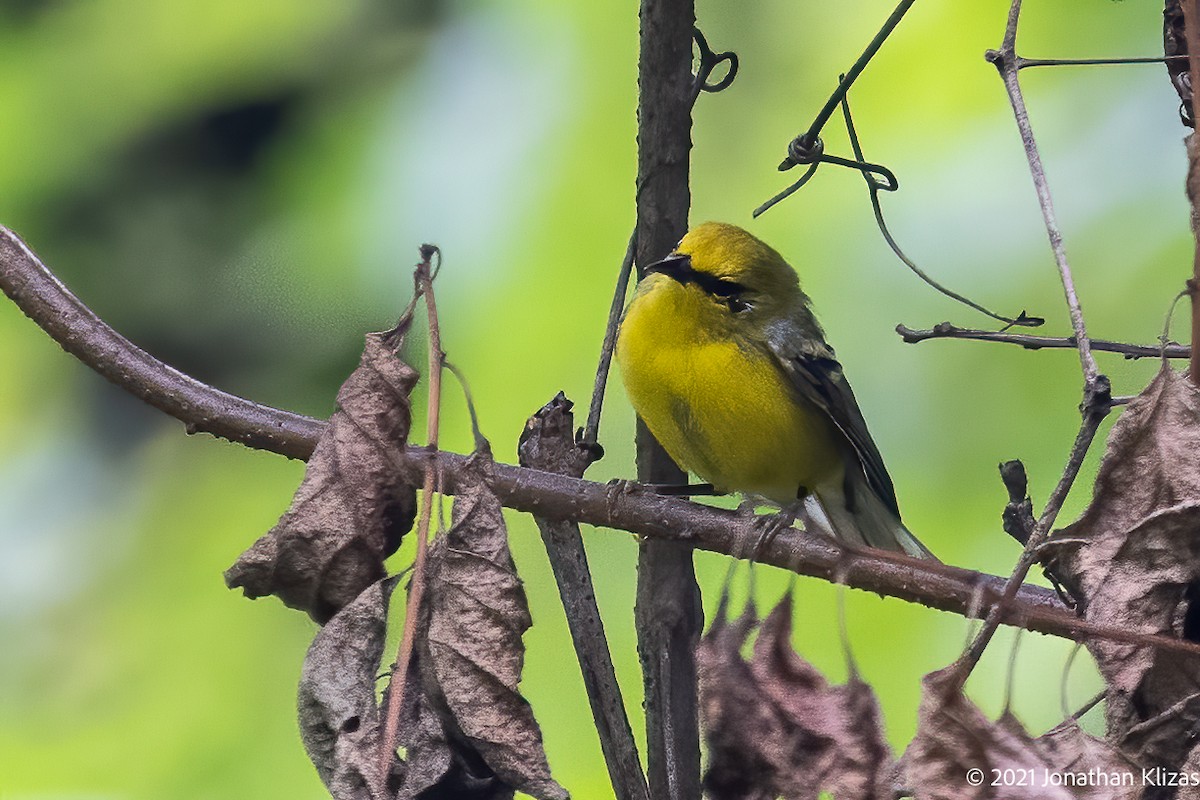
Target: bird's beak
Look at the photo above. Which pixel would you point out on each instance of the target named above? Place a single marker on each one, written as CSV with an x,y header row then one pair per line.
x,y
676,266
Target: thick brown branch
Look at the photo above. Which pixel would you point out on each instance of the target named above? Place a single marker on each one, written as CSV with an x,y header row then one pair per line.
x,y
81,333
210,410
668,612
544,494
945,330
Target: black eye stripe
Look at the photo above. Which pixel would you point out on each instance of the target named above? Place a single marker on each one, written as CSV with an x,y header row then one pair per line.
x,y
680,268
720,286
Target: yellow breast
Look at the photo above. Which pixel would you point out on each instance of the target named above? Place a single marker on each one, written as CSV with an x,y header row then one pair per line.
x,y
723,409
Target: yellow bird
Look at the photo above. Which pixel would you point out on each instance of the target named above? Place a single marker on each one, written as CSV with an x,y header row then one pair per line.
x,y
724,361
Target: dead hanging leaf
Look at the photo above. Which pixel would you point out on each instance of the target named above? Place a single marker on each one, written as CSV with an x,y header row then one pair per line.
x,y
472,652
775,727
350,511
1068,748
737,721
957,751
1134,557
436,767
339,718
835,732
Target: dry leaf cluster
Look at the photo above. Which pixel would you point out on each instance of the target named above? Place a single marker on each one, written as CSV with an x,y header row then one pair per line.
x,y
466,730
775,727
1133,560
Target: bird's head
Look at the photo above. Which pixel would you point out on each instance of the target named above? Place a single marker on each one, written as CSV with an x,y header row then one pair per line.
x,y
740,274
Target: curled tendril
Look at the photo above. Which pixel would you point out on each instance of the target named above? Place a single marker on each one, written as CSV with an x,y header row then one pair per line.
x,y
801,151
709,61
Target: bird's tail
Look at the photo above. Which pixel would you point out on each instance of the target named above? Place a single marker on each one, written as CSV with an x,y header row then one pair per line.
x,y
869,522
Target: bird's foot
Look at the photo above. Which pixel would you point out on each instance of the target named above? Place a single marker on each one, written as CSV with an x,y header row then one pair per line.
x,y
767,526
615,489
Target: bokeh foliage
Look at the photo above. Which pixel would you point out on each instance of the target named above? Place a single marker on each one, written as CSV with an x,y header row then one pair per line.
x,y
241,189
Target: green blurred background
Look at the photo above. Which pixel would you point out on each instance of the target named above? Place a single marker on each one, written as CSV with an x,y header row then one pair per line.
x,y
241,188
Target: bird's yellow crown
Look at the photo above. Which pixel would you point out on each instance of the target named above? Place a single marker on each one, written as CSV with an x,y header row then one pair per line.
x,y
732,253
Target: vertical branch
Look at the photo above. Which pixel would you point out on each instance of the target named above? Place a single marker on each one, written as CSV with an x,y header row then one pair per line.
x,y
547,445
416,590
1008,64
1191,27
668,613
1096,389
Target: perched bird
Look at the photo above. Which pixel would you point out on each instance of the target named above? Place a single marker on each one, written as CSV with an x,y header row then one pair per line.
x,y
724,361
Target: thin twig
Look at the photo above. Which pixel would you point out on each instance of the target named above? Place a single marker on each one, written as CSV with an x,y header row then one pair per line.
x,y
945,330
1005,62
873,188
481,442
547,444
1096,390
1030,555
1022,63
809,137
709,61
591,433
416,588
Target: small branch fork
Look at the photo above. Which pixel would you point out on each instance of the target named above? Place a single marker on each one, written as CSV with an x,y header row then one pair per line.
x,y
959,591
1096,390
946,330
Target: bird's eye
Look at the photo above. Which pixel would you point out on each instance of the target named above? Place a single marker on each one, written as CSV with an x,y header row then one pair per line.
x,y
737,305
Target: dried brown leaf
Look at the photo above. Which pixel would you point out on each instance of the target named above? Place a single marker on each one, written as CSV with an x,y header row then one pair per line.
x,y
1070,749
957,748
350,511
1134,557
733,713
437,767
776,727
836,738
339,718
473,649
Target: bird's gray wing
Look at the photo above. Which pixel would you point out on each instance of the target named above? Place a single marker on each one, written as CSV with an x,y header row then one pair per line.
x,y
816,374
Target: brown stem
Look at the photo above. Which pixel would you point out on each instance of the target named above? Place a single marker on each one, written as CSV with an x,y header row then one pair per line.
x,y
544,494
547,444
416,588
668,613
945,330
203,409
1006,62
1191,26
1096,393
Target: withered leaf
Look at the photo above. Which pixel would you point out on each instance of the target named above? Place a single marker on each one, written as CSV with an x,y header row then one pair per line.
x,y
437,767
339,718
350,511
735,718
775,727
473,647
1134,557
838,744
1068,748
957,748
